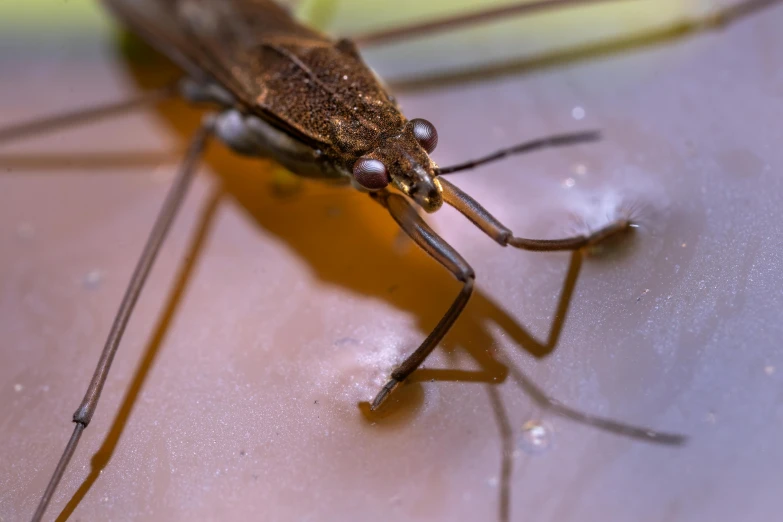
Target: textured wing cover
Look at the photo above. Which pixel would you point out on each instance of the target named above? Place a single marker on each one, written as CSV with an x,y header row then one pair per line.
x,y
287,74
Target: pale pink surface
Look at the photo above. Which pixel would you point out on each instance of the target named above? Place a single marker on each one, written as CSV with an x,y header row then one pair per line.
x,y
296,308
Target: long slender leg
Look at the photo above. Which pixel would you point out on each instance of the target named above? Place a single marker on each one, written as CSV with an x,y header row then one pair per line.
x,y
405,216
460,20
79,116
166,216
717,20
472,210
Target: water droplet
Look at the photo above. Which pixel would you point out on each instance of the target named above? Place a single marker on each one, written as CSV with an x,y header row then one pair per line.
x,y
568,182
769,369
92,279
18,388
580,169
578,113
536,437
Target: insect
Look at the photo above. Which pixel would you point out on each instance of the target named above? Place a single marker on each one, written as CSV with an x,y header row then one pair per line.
x,y
314,132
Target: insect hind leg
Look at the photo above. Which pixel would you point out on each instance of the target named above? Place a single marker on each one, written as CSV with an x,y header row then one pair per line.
x,y
87,115
163,222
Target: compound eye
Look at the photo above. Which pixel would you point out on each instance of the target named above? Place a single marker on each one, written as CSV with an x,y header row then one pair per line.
x,y
371,173
425,134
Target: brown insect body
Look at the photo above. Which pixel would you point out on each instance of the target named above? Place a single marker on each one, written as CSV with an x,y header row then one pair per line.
x,y
309,102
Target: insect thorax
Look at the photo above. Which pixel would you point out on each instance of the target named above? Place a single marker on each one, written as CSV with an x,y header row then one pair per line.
x,y
251,136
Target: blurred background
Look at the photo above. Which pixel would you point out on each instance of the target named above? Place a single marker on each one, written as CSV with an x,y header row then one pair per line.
x,y
277,307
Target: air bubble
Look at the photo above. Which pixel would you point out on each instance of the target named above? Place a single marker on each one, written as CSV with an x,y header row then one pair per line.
x,y
536,437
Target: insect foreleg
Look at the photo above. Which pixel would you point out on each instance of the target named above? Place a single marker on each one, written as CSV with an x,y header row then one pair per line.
x,y
166,216
405,215
472,210
413,225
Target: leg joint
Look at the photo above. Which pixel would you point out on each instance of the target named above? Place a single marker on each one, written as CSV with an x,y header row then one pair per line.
x,y
83,415
466,274
503,237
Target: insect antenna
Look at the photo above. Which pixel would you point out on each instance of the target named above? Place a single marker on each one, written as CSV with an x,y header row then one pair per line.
x,y
557,140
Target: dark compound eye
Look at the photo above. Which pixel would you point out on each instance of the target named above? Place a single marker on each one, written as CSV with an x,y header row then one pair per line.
x,y
425,134
370,173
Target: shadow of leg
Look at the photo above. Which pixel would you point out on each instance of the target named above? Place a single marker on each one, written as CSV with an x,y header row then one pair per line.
x,y
506,452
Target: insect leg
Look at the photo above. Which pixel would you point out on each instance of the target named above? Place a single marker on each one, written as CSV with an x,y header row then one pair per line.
x,y
163,222
478,16
718,19
405,216
61,121
472,210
